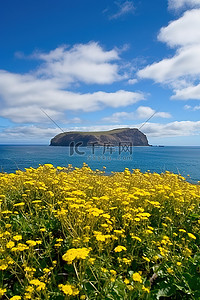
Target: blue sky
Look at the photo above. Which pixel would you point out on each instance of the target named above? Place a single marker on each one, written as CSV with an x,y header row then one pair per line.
x,y
98,65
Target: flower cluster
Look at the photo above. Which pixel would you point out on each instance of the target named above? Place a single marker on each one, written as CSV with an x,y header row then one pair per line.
x,y
75,233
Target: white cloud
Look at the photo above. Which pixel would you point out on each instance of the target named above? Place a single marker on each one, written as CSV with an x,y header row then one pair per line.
x,y
142,112
132,81
22,95
197,107
182,71
182,128
179,4
192,108
187,107
88,63
29,134
191,92
29,114
183,31
118,117
185,63
124,8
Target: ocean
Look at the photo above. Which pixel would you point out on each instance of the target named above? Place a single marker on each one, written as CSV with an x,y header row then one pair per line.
x,y
180,160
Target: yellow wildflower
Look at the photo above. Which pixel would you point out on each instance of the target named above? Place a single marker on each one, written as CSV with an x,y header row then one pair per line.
x,y
192,236
31,243
16,298
69,289
137,277
169,270
113,272
2,292
135,238
126,281
19,204
3,267
182,230
146,258
10,244
75,253
39,284
145,289
120,248
17,237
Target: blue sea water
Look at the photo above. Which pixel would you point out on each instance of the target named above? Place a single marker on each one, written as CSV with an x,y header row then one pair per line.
x,y
180,160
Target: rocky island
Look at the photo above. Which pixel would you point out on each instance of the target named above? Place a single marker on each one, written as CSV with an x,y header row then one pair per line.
x,y
133,136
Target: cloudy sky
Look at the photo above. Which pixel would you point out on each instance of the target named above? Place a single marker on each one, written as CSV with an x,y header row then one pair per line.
x,y
98,65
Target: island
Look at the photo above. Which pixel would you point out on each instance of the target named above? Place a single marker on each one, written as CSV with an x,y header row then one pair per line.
x,y
132,136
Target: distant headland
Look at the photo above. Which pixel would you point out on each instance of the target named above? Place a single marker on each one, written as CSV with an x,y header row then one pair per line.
x,y
133,136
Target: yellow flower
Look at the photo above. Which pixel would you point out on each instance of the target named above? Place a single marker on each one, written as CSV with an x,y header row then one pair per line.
x,y
92,260
19,204
130,287
137,219
192,236
145,289
36,201
156,257
38,242
120,249
42,229
3,267
20,247
8,225
146,258
126,281
59,240
104,270
179,263
31,243
2,292
39,284
149,231
17,237
75,253
16,298
46,270
135,237
28,269
170,271
30,289
137,277
10,244
112,279
6,233
69,289
182,230
126,261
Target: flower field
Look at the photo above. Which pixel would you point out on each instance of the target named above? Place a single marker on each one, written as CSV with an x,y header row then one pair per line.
x,y
78,234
